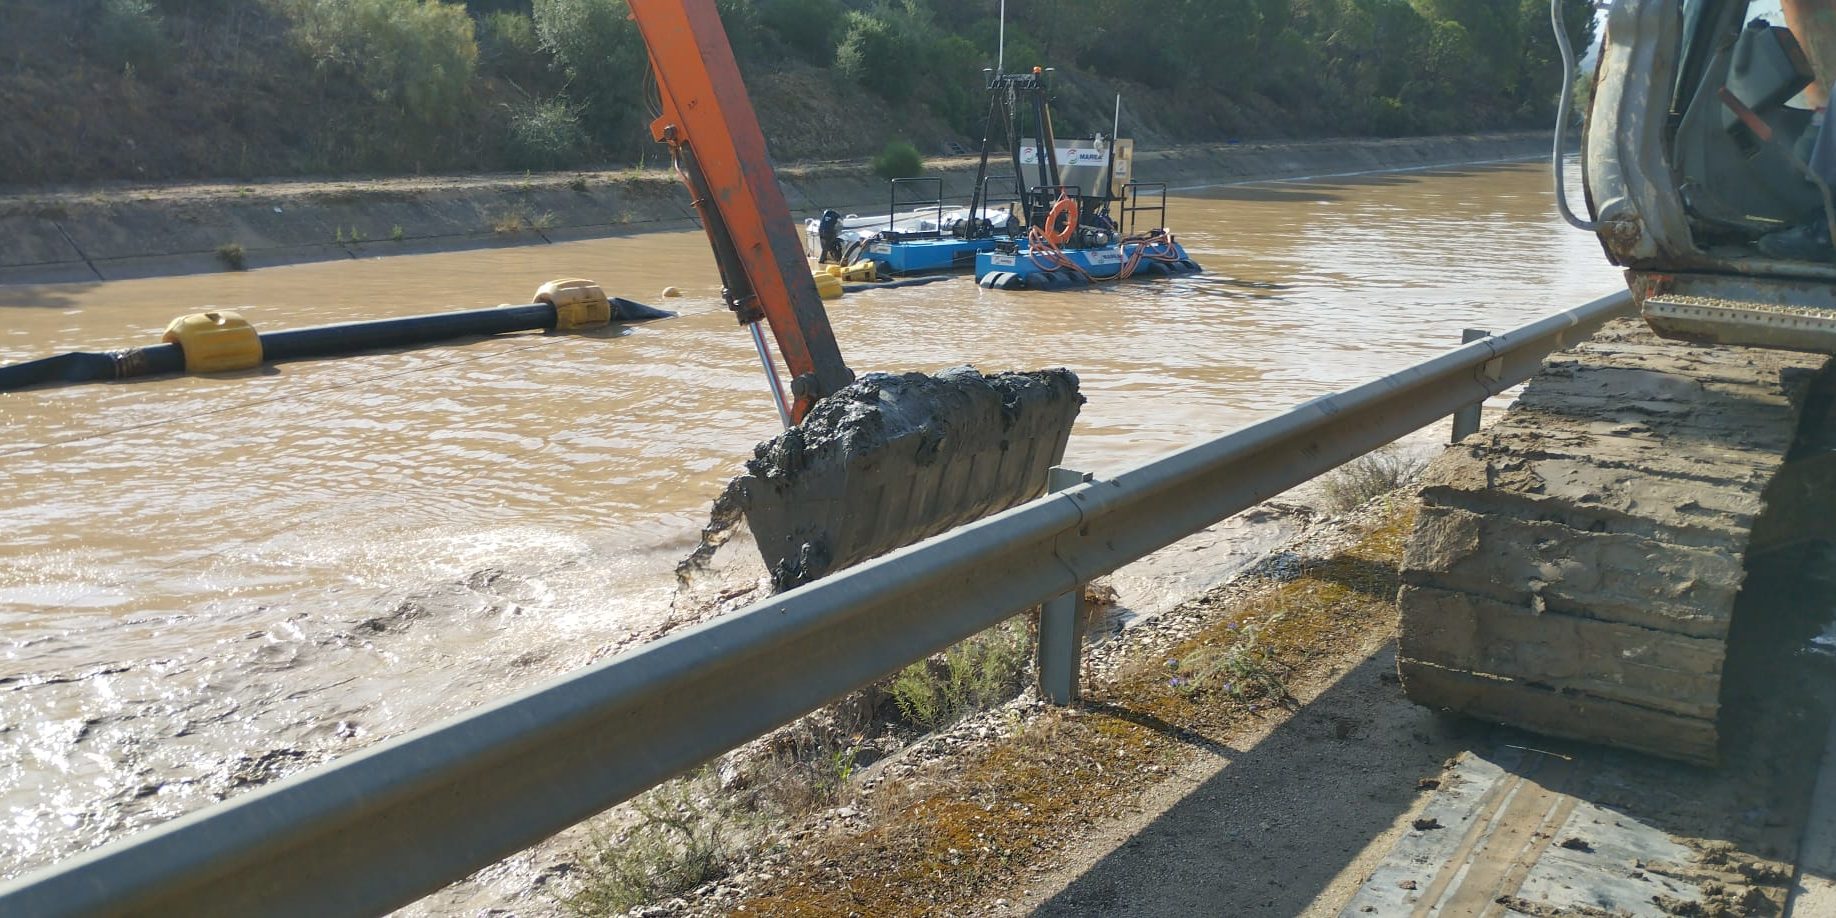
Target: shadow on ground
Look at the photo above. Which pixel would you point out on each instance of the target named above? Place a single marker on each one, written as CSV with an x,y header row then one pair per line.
x,y
1267,834
1295,824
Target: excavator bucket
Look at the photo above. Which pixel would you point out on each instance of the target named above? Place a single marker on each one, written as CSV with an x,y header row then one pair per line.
x,y
892,459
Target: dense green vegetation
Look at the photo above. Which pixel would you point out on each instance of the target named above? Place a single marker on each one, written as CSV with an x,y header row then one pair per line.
x,y
236,88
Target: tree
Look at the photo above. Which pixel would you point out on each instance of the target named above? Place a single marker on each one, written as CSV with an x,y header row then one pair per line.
x,y
1493,38
877,56
598,46
415,58
805,26
1540,69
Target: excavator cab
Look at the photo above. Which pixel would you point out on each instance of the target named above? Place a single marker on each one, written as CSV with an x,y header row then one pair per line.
x,y
1702,169
1737,186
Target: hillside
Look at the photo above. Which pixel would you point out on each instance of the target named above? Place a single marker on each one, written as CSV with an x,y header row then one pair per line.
x,y
182,89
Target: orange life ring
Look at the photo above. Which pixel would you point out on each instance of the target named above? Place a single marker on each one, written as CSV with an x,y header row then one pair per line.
x,y
1066,208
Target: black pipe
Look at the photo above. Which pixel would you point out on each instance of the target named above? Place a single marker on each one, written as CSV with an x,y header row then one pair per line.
x,y
88,366
906,282
344,338
317,341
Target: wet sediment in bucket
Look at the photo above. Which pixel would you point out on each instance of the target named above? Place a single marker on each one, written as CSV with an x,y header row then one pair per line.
x,y
893,459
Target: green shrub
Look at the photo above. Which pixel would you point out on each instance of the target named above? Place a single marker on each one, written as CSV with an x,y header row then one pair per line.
x,y
598,47
196,8
1370,476
232,256
883,59
955,90
130,33
805,26
1389,118
899,160
414,57
507,33
508,47
546,135
793,785
972,676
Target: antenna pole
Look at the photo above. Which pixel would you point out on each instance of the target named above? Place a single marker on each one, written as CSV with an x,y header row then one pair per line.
x,y
1001,43
1109,181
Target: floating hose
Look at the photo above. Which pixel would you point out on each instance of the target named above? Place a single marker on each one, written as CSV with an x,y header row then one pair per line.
x,y
906,282
1048,256
560,311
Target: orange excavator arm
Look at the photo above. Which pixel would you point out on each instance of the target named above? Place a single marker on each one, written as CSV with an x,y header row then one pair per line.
x,y
714,136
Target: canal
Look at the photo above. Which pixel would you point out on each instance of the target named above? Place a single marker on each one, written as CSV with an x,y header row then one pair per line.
x,y
209,583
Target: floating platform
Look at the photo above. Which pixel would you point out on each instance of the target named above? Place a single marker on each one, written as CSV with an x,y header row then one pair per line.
x,y
928,255
1058,269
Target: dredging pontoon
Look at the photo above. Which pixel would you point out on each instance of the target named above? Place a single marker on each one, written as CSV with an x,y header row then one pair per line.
x,y
1034,229
1064,248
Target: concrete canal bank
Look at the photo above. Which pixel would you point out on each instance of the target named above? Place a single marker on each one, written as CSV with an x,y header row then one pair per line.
x,y
109,233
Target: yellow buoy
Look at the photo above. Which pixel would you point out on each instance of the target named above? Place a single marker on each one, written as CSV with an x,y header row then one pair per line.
x,y
578,303
215,342
865,271
672,291
828,286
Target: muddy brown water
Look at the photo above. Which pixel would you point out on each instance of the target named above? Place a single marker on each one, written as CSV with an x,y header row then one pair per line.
x,y
208,583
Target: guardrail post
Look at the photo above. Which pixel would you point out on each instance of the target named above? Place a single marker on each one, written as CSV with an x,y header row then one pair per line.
x,y
1466,420
1061,622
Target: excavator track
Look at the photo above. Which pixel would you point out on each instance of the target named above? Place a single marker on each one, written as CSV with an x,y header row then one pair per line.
x,y
1574,569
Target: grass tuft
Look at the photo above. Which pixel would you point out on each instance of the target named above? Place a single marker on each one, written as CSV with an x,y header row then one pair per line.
x,y
1242,670
232,256
972,676
516,221
1376,473
679,843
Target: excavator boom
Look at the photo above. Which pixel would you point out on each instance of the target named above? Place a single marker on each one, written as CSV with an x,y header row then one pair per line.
x,y
867,466
710,126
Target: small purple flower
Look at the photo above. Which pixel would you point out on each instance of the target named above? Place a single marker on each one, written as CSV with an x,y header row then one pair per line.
x,y
1172,664
1176,682
1231,625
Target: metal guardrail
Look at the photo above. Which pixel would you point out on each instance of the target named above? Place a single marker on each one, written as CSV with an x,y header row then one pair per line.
x,y
384,826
